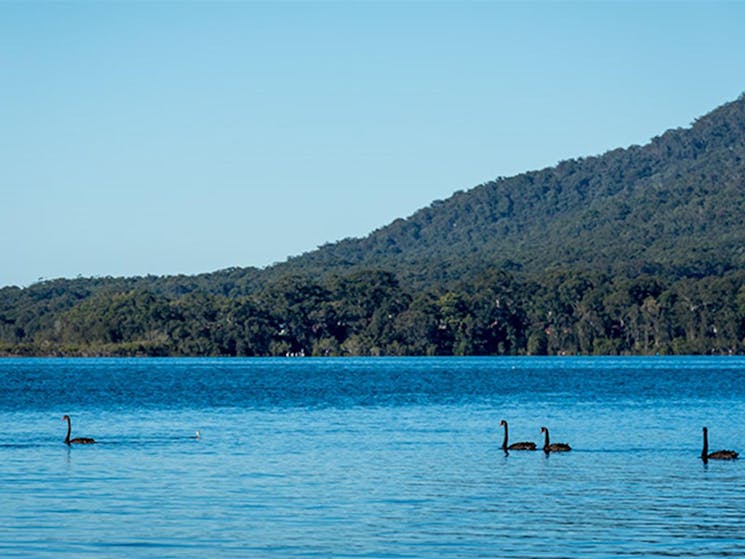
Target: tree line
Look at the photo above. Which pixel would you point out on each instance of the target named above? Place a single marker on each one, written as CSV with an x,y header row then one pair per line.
x,y
370,313
636,251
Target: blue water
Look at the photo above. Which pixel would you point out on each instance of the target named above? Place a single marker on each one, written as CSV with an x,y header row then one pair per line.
x,y
370,458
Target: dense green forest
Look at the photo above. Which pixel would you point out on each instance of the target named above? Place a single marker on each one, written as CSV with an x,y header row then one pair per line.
x,y
637,251
368,312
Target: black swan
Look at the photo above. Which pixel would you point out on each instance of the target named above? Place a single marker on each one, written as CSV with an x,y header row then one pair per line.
x,y
514,446
78,440
556,447
719,454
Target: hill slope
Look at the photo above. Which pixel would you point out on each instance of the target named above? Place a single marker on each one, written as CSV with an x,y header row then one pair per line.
x,y
637,251
675,205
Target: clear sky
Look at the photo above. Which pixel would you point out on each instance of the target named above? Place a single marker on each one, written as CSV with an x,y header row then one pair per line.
x,y
185,137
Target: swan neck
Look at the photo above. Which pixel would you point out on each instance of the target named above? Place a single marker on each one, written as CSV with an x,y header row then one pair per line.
x,y
705,451
545,439
69,430
504,442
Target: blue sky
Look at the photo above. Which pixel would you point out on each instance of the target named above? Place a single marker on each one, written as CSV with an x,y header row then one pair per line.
x,y
185,137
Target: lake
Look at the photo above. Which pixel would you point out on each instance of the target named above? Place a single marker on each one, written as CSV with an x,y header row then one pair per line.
x,y
377,458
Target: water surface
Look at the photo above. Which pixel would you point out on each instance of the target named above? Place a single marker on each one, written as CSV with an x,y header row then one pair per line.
x,y
370,458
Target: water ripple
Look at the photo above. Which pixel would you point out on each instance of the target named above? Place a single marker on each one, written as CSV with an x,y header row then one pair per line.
x,y
387,467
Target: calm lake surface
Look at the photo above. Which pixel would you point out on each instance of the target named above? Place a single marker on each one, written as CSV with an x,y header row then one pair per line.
x,y
370,458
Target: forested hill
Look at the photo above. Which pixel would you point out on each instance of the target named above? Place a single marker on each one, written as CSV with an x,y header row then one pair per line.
x,y
673,206
637,251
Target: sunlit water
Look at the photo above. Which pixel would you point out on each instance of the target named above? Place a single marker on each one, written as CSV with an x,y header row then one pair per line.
x,y
370,458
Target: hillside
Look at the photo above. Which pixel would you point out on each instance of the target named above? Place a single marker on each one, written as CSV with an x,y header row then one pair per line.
x,y
637,251
673,206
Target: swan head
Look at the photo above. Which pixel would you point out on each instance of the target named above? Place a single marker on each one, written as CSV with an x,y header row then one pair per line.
x,y
503,423
65,418
544,430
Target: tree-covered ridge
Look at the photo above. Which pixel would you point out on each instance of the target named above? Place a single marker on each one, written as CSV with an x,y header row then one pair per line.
x,y
637,251
674,205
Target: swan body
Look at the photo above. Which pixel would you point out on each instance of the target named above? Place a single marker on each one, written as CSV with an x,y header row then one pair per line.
x,y
525,445
555,447
719,454
78,440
